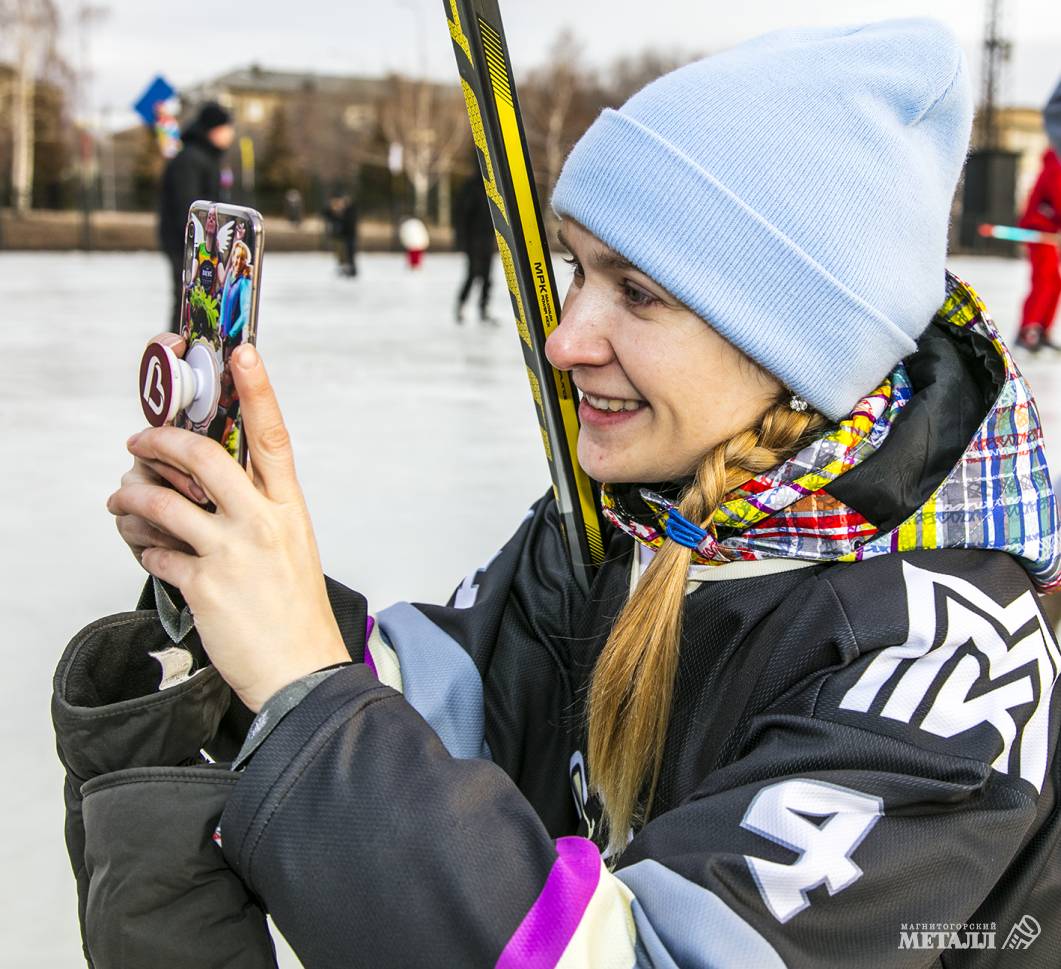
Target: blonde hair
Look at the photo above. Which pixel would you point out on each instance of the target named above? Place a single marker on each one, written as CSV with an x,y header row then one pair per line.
x,y
632,688
242,250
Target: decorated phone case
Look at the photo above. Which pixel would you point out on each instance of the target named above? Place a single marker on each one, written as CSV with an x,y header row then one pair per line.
x,y
219,311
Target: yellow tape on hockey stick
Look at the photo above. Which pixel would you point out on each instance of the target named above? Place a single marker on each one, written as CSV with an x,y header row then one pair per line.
x,y
493,111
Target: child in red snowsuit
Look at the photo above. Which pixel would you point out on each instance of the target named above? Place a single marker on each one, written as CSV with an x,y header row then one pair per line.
x,y
1043,213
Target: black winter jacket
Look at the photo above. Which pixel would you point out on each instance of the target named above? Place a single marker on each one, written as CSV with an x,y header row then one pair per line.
x,y
194,173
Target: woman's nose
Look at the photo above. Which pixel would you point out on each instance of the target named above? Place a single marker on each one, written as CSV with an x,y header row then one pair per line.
x,y
581,338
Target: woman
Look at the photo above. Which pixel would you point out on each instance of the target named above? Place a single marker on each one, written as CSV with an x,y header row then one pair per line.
x,y
236,296
821,724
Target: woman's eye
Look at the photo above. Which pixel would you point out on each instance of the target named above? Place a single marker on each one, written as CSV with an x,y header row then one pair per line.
x,y
635,296
576,266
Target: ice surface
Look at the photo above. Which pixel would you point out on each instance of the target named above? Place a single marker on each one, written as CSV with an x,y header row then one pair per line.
x,y
416,445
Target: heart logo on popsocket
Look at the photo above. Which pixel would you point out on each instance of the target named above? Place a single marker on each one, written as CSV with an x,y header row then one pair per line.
x,y
156,385
154,396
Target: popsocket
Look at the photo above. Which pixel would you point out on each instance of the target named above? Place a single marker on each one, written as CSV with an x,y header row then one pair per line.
x,y
169,385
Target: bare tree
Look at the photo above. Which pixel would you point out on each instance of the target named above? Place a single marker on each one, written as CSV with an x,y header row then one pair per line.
x,y
30,28
629,73
429,122
561,98
558,100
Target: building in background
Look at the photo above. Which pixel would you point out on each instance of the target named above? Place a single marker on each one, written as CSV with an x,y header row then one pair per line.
x,y
319,133
307,131
1021,131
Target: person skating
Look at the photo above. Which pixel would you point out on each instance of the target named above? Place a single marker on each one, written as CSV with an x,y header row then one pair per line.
x,y
1043,213
808,705
341,219
194,173
474,231
293,207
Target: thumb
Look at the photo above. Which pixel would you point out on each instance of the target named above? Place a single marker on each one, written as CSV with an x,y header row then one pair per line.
x,y
267,438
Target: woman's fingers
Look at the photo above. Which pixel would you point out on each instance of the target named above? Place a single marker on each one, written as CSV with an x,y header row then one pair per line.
x,y
203,460
176,568
184,483
139,534
166,510
267,437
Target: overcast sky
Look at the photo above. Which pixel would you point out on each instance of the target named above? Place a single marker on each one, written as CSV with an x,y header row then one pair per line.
x,y
188,43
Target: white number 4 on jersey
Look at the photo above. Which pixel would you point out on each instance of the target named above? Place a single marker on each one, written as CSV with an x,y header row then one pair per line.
x,y
781,813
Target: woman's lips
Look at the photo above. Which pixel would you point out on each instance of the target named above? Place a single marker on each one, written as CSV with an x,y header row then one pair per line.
x,y
588,414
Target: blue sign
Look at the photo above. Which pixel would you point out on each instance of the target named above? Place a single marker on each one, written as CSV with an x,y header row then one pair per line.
x,y
158,90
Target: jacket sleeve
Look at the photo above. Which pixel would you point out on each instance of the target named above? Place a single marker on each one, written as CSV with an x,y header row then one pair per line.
x,y
490,671
1042,211
142,804
182,183
139,716
881,794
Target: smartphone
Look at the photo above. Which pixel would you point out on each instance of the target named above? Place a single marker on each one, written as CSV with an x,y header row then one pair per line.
x,y
223,247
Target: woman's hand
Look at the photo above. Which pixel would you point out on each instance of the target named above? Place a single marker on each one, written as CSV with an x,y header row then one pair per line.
x,y
250,572
138,533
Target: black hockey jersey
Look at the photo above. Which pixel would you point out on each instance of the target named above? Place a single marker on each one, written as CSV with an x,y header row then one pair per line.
x,y
860,767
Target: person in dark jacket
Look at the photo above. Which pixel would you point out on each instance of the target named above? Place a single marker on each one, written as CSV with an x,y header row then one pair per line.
x,y
1042,213
341,222
193,173
474,231
806,713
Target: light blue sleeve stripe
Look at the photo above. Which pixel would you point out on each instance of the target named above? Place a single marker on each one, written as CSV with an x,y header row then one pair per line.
x,y
439,679
681,925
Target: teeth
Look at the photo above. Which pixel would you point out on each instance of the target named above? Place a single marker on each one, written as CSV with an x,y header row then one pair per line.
x,y
613,404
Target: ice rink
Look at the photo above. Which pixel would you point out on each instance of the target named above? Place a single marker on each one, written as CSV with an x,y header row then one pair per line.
x,y
416,444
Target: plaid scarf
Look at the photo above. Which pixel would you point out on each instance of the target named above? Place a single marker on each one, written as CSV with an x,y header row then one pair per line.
x,y
998,496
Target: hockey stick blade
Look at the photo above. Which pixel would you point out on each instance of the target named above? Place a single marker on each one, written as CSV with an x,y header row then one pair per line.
x,y
1012,233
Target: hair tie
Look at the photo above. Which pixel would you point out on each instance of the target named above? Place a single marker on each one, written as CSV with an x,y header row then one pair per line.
x,y
683,531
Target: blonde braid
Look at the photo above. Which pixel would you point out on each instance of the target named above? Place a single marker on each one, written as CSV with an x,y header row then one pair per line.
x,y
633,681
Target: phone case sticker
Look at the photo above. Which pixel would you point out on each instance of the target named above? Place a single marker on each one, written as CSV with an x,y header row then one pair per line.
x,y
217,313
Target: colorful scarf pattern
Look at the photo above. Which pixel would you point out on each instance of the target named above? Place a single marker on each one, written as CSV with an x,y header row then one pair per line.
x,y
997,496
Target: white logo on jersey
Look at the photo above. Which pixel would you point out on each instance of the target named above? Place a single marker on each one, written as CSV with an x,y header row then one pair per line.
x,y
468,591
581,793
580,790
955,707
777,812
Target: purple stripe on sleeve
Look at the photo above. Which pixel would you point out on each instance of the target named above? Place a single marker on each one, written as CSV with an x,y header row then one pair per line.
x,y
369,626
547,928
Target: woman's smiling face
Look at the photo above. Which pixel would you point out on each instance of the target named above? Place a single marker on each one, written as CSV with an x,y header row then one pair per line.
x,y
660,388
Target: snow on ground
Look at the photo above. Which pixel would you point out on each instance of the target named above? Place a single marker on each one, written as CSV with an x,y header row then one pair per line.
x,y
415,440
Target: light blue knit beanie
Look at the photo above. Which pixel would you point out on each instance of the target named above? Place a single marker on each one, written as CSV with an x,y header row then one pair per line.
x,y
794,192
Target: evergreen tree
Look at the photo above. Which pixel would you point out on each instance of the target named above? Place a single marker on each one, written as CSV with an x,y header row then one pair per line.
x,y
279,169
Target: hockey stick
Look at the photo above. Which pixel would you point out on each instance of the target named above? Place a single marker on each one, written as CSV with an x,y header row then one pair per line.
x,y
497,129
1011,233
